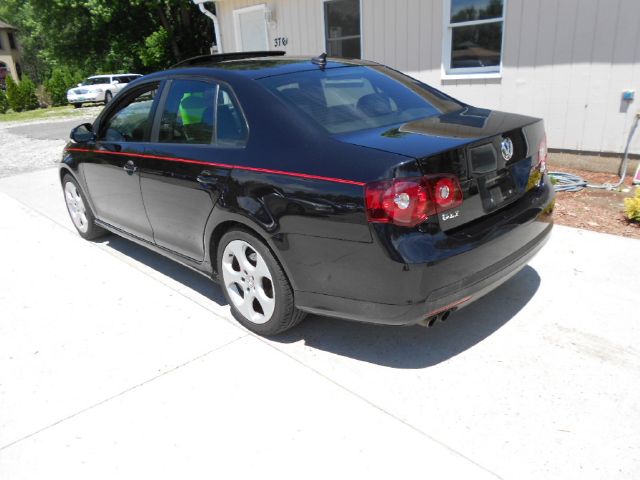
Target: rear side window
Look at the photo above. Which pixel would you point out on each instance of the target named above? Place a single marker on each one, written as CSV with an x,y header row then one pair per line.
x,y
132,122
188,115
232,127
345,100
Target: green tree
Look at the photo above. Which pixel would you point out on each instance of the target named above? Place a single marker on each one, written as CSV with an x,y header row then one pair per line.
x,y
155,52
60,81
28,96
120,35
107,36
14,96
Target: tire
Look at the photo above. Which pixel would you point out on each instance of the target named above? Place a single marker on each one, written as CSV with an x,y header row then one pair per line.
x,y
77,105
79,210
107,98
244,278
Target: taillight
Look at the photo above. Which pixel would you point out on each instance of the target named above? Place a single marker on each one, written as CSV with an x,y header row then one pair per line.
x,y
447,193
408,202
543,155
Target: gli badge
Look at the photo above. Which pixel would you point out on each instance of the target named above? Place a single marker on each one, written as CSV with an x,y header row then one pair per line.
x,y
450,216
507,149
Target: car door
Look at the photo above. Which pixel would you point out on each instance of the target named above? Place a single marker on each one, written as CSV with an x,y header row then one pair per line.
x,y
186,166
112,169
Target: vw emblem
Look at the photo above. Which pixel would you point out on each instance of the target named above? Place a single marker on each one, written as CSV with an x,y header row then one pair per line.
x,y
507,149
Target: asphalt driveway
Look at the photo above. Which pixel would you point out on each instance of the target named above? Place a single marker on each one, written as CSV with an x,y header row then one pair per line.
x,y
58,130
118,363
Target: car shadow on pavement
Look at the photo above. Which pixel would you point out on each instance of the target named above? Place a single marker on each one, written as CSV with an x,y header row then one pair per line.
x,y
189,278
397,347
419,347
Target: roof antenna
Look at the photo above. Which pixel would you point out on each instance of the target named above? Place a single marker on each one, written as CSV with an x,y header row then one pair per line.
x,y
320,60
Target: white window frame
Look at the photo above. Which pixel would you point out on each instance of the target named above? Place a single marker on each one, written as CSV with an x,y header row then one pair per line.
x,y
472,72
236,25
324,26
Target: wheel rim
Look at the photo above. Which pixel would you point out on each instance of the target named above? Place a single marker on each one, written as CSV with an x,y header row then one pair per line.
x,y
76,207
248,281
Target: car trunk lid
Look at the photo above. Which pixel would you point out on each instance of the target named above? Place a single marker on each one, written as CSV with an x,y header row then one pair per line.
x,y
491,153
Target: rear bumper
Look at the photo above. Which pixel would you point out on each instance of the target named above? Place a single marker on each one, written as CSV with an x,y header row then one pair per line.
x,y
454,296
360,282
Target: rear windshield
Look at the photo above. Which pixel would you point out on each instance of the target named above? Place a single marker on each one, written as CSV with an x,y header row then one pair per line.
x,y
345,100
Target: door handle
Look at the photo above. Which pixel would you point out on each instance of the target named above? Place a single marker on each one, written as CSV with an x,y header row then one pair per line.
x,y
207,179
130,167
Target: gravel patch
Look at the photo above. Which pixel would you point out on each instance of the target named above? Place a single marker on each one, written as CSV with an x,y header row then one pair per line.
x,y
20,154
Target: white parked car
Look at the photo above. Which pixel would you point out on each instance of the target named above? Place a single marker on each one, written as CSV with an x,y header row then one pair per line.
x,y
99,88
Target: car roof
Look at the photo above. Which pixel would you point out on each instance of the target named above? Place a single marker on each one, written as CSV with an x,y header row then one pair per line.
x,y
261,67
116,75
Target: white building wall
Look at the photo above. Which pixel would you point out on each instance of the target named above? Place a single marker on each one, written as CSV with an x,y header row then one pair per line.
x,y
567,61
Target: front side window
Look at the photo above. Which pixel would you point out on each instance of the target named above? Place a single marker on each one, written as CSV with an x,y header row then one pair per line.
x,y
342,28
345,100
474,30
188,115
132,122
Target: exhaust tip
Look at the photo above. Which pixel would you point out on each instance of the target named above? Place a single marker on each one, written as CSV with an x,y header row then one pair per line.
x,y
428,322
433,319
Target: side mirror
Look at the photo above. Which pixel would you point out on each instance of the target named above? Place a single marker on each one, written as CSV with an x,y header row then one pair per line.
x,y
116,82
83,133
80,84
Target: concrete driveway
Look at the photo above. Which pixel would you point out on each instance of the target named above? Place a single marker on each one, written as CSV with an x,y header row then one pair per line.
x,y
118,363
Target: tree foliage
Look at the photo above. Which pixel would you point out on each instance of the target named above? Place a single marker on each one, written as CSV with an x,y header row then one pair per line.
x,y
13,95
106,36
28,98
21,96
61,80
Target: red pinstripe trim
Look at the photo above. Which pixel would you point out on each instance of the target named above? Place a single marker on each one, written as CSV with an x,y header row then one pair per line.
x,y
222,165
448,307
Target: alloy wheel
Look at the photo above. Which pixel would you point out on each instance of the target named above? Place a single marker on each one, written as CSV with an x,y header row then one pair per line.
x,y
248,281
76,207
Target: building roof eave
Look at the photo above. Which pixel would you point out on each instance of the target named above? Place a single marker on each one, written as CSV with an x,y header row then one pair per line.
x,y
6,26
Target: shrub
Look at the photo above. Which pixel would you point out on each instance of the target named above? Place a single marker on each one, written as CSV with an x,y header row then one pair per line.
x,y
21,96
28,93
13,95
4,103
632,207
57,85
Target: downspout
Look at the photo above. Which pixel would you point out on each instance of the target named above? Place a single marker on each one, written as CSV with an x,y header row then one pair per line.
x,y
216,25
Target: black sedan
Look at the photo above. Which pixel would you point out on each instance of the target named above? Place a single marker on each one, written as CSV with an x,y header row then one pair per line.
x,y
314,185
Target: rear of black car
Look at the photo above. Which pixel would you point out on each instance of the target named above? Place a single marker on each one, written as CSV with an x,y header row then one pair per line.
x,y
467,209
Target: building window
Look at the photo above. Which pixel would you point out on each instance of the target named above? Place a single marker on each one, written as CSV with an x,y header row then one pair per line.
x,y
342,28
12,41
1,47
474,32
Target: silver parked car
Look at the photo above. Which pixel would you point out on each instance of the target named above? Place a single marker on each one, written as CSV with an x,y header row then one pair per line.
x,y
99,88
